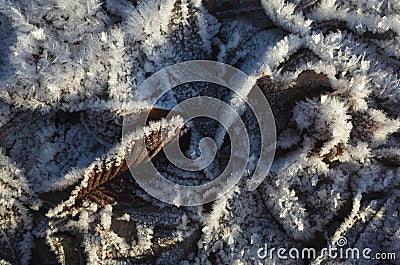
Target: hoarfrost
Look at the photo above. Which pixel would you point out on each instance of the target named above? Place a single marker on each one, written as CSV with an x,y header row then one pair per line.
x,y
69,73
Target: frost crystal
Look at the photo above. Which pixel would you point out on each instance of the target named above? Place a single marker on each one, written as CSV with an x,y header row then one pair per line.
x,y
69,72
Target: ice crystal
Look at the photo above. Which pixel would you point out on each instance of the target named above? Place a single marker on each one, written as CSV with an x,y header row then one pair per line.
x,y
70,72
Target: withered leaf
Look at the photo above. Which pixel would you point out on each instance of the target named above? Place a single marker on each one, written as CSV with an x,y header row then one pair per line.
x,y
282,97
94,188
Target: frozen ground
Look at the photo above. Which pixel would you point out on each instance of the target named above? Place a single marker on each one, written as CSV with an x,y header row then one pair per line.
x,y
69,71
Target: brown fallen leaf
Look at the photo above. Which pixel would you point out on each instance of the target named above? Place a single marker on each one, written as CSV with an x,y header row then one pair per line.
x,y
93,187
282,97
102,174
